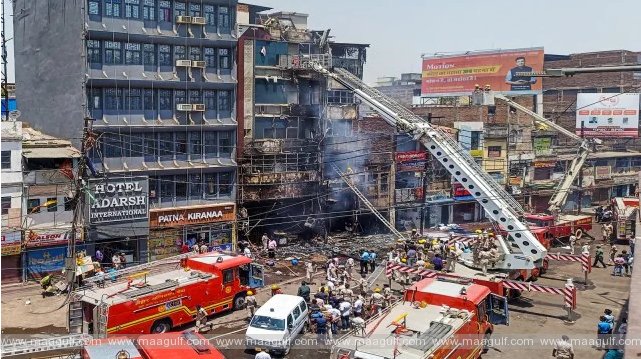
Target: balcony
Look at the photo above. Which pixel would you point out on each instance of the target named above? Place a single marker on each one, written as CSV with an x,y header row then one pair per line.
x,y
304,62
494,131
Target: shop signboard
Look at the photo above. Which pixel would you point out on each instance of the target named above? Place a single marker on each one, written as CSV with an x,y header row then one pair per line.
x,y
41,238
192,215
118,207
602,172
411,161
507,71
607,115
11,241
544,164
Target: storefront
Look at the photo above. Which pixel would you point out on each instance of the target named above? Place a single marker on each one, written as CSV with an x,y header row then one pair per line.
x,y
170,228
46,251
439,210
465,207
11,262
118,215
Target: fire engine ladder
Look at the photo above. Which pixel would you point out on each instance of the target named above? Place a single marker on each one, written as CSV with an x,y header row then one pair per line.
x,y
33,347
102,313
75,317
525,251
137,268
562,191
350,182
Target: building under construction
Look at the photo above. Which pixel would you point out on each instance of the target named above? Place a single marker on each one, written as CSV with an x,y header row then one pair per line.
x,y
292,122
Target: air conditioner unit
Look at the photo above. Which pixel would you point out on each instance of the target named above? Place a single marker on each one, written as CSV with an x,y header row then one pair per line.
x,y
200,64
183,63
198,107
184,107
198,20
183,19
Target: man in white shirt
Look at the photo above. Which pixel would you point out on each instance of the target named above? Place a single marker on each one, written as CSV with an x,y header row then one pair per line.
x,y
336,319
247,252
358,306
572,243
115,260
346,310
262,355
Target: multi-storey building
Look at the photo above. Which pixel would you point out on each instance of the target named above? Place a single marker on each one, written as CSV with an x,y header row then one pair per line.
x,y
157,78
289,119
11,200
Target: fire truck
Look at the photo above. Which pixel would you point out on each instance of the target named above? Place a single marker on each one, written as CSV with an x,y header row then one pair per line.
x,y
624,216
156,303
437,318
548,227
185,345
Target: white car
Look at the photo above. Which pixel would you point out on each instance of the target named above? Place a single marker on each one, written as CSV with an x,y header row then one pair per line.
x,y
277,323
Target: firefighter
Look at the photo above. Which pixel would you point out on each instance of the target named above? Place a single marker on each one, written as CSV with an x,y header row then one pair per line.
x,y
452,258
201,319
387,296
376,301
309,271
484,259
494,255
276,289
414,235
250,302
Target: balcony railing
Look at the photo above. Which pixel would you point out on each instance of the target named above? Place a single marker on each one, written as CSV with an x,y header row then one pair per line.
x,y
304,62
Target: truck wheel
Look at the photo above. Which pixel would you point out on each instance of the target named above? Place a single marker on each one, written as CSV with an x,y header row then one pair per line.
x,y
578,233
161,326
239,302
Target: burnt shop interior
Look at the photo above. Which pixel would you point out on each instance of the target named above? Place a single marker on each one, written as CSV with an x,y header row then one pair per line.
x,y
168,242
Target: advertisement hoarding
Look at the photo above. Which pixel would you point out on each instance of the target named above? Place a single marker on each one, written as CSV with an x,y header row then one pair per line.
x,y
411,161
608,114
456,75
192,215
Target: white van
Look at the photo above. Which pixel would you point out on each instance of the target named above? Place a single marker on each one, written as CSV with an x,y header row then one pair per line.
x,y
277,323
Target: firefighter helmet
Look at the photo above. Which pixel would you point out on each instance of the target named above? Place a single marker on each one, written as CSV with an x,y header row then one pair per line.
x,y
249,292
377,290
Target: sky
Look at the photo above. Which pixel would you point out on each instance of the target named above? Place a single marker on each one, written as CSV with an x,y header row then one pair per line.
x,y
400,31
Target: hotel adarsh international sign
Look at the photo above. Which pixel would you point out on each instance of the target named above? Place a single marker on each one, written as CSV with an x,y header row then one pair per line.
x,y
191,215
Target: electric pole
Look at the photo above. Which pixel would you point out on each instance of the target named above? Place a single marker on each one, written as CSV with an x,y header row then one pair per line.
x,y
5,71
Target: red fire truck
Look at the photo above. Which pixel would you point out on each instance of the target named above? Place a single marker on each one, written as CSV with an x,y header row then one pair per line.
x,y
433,320
186,345
155,303
545,227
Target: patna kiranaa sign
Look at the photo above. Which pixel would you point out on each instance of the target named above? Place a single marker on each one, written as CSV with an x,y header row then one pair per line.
x,y
122,199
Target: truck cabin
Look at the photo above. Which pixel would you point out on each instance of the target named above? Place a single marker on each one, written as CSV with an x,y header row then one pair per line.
x,y
433,311
185,345
540,220
460,293
235,269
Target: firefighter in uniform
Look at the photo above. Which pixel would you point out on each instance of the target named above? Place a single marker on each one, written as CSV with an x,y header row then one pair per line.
x,y
250,302
201,319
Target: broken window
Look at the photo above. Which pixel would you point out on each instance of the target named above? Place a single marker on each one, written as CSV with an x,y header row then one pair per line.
x,y
494,151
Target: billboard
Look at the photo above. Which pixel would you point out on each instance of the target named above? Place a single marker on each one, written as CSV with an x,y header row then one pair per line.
x,y
456,75
608,114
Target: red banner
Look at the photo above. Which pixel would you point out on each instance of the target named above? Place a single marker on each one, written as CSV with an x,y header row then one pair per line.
x,y
411,156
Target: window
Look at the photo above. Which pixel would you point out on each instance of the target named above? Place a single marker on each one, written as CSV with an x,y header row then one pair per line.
x,y
180,9
93,52
224,183
93,7
296,312
166,140
94,99
475,140
113,98
164,10
133,99
223,57
52,204
210,57
112,8
149,10
494,151
166,188
165,99
195,96
150,146
150,100
224,103
164,56
210,100
340,96
211,139
195,186
6,204
195,54
180,144
180,96
6,159
223,17
132,9
194,9
149,54
68,204
113,52
181,187
136,143
210,15
195,144
132,54
33,205
153,189
211,184
179,53
224,142
228,276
